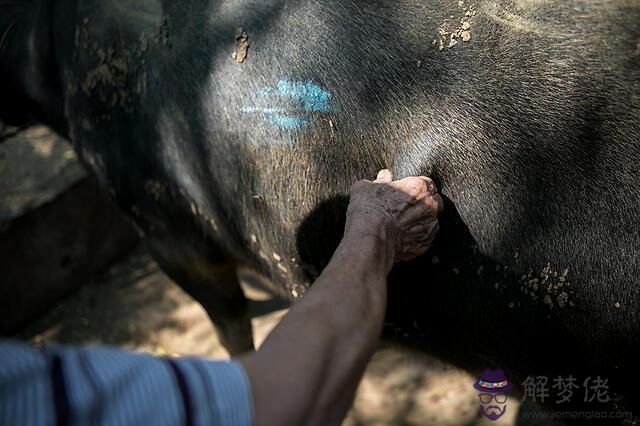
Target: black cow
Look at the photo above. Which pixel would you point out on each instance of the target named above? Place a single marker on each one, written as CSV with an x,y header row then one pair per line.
x,y
231,131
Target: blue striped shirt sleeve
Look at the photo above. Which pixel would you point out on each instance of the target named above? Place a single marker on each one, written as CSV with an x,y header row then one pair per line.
x,y
94,385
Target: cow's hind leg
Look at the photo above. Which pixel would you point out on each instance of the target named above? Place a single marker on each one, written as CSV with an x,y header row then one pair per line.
x,y
222,297
215,285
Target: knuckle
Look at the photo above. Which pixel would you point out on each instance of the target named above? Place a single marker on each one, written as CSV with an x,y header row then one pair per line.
x,y
435,204
428,182
415,188
439,201
358,186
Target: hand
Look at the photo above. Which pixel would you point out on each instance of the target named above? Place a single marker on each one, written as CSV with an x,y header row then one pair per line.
x,y
406,208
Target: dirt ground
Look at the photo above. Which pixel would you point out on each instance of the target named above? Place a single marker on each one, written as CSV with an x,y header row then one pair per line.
x,y
35,166
136,306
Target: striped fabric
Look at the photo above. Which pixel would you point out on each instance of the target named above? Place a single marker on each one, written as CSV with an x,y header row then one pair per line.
x,y
61,385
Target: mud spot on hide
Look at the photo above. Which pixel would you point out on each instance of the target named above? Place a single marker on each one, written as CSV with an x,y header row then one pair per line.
x,y
242,46
162,35
562,299
107,81
297,291
549,284
457,29
154,188
141,85
110,71
198,212
118,76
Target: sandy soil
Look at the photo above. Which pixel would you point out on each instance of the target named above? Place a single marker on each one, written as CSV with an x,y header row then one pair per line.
x,y
135,305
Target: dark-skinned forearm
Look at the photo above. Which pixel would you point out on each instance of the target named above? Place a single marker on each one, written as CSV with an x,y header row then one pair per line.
x,y
308,368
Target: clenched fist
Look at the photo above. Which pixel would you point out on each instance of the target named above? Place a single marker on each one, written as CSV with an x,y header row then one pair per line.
x,y
407,209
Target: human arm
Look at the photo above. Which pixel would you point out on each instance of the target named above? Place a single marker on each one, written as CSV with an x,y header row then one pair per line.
x,y
309,367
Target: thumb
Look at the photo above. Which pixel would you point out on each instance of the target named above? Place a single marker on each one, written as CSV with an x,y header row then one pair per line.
x,y
384,176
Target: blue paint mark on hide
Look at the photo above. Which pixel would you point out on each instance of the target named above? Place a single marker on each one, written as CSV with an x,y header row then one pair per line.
x,y
287,122
263,110
313,98
289,105
254,141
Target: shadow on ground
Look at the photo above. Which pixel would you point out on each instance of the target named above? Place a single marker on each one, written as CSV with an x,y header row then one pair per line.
x,y
136,306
